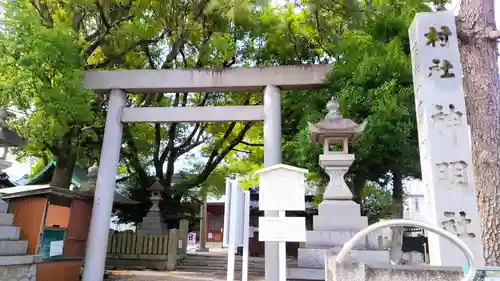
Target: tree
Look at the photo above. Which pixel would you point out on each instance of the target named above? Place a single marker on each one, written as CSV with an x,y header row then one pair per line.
x,y
47,46
373,84
478,51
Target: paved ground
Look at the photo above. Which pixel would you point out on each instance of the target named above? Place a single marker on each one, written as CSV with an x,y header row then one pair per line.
x,y
147,275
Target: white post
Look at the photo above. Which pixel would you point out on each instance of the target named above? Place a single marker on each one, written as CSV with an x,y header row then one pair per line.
x,y
282,254
445,148
95,256
246,236
272,156
231,253
227,207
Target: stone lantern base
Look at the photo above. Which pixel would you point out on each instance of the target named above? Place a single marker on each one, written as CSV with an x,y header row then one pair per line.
x,y
338,220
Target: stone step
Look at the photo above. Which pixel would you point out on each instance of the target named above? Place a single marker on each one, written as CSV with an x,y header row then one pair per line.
x,y
211,269
337,238
3,207
6,219
220,257
305,274
13,260
212,264
9,232
331,223
315,258
13,248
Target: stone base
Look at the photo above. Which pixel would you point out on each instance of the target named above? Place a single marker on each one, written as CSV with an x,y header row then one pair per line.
x,y
354,271
337,238
152,224
25,272
339,222
347,208
315,258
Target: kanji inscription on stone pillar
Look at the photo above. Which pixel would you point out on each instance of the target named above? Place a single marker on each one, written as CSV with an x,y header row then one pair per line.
x,y
443,132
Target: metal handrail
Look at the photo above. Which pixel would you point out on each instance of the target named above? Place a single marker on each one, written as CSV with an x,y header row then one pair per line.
x,y
400,223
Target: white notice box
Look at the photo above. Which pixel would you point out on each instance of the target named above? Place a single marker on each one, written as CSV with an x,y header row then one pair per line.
x,y
282,229
282,188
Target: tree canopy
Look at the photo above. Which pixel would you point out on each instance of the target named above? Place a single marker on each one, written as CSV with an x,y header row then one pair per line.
x,y
46,47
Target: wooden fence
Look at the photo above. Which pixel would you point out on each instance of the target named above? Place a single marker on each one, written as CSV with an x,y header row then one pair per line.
x,y
136,251
126,243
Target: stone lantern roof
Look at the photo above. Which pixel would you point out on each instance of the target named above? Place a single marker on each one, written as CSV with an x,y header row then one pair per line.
x,y
156,186
7,137
334,125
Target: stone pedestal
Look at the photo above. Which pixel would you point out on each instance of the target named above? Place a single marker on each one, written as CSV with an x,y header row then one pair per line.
x,y
339,218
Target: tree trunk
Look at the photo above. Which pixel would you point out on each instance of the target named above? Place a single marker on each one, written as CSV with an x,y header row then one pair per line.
x,y
396,253
63,172
478,52
65,163
358,183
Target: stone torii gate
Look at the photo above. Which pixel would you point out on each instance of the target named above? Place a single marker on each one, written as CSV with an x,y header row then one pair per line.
x,y
119,83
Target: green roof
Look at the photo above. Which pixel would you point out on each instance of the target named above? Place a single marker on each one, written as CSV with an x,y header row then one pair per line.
x,y
45,175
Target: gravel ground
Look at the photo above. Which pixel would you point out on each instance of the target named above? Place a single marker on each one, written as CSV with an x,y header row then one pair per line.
x,y
147,275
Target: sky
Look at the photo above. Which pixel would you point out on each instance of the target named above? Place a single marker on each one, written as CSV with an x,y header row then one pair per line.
x,y
19,169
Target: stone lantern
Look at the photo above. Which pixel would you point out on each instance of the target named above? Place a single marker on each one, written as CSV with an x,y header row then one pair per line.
x,y
152,223
90,184
338,216
7,139
335,133
155,195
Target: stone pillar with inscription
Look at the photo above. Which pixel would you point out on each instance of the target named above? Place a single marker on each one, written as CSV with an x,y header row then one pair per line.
x,y
443,133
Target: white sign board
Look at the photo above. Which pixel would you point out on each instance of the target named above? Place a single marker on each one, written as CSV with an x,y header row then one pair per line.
x,y
282,188
282,229
234,207
56,248
192,238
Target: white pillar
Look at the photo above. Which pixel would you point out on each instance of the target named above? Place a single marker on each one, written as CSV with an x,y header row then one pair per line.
x,y
444,141
272,156
95,256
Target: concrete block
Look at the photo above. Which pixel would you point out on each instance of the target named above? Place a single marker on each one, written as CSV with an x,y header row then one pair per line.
x,y
339,222
6,219
346,208
337,238
315,258
9,232
13,248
